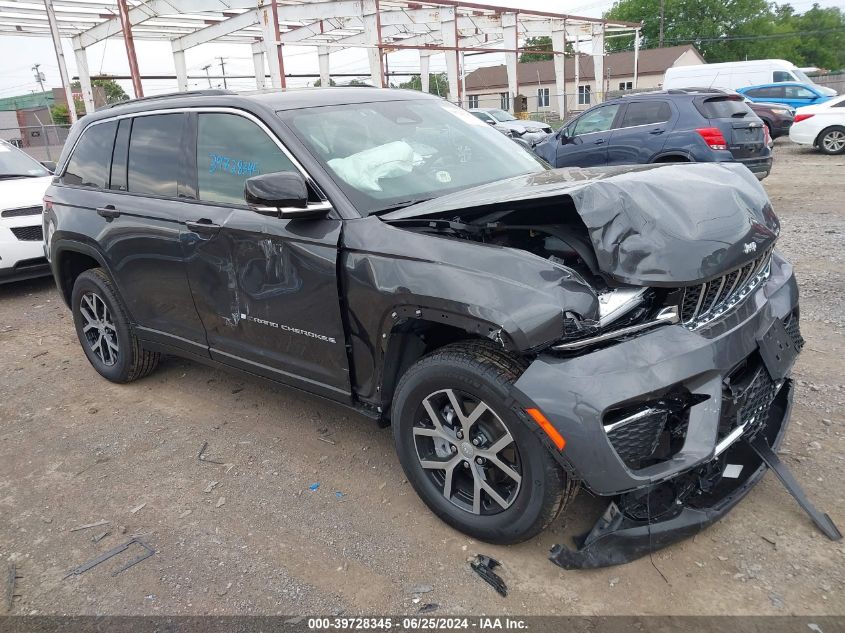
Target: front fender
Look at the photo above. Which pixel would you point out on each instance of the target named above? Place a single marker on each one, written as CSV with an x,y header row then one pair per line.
x,y
389,274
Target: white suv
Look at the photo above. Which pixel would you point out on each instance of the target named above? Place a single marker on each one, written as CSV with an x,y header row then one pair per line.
x,y
23,181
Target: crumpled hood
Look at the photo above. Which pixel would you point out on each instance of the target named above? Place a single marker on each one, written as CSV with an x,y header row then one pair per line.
x,y
659,225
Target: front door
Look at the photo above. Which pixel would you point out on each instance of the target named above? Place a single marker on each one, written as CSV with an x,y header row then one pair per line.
x,y
587,138
266,288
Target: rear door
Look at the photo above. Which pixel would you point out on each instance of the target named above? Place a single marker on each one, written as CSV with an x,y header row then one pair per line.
x,y
742,129
123,184
641,133
266,288
587,138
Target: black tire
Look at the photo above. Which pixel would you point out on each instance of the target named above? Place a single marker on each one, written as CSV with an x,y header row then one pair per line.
x,y
828,134
483,371
130,361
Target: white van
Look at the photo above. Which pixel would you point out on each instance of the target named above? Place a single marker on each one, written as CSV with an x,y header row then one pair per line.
x,y
735,75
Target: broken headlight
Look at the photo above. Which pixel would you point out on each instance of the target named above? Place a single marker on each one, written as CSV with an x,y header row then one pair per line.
x,y
621,312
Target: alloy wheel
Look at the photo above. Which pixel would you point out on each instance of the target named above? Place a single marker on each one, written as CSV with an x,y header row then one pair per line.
x,y
834,141
99,330
467,451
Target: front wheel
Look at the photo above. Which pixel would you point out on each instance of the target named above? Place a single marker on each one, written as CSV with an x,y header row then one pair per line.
x,y
832,141
472,456
105,331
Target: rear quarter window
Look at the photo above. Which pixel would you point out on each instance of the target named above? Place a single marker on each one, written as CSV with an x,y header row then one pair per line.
x,y
155,154
90,162
722,107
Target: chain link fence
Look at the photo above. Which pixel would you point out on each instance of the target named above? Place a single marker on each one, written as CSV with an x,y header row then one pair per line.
x,y
42,142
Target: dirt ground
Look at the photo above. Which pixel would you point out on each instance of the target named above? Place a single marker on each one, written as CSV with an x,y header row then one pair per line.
x,y
249,536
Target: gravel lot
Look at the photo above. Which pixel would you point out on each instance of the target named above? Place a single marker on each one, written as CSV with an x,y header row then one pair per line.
x,y
248,536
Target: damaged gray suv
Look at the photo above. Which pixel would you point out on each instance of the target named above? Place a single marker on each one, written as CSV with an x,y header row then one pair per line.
x,y
525,331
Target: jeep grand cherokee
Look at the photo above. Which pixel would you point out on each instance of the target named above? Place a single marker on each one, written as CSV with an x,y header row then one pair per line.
x,y
525,331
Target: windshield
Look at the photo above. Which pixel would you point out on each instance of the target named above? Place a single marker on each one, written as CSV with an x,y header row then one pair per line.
x,y
501,115
389,154
802,77
14,163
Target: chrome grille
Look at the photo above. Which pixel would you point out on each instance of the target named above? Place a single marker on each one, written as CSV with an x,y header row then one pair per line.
x,y
709,301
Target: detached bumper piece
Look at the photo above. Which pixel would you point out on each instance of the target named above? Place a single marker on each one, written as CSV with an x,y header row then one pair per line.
x,y
646,520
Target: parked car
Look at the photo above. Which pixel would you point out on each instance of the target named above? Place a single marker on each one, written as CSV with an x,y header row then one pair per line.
x,y
524,330
822,126
529,131
690,125
790,94
736,75
23,181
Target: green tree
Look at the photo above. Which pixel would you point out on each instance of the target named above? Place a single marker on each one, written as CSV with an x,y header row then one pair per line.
x,y
114,93
318,83
437,83
60,113
543,42
738,30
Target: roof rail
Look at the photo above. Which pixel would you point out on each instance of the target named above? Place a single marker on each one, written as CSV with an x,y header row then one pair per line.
x,y
214,92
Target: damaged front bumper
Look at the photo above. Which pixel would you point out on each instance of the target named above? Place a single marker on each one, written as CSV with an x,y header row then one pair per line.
x,y
670,469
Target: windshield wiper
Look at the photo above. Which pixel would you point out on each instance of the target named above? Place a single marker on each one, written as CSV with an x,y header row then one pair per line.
x,y
400,205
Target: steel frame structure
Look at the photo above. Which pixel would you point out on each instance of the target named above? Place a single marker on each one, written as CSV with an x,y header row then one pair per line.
x,y
432,27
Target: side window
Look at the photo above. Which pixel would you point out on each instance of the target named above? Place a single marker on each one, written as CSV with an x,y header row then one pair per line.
x,y
155,154
782,75
774,92
89,163
599,120
798,92
231,149
646,113
841,104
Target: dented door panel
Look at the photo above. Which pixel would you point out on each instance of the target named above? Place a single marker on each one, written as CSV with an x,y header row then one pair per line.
x,y
266,290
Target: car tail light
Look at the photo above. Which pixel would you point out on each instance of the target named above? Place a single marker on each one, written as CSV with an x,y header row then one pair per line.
x,y
767,138
713,137
801,117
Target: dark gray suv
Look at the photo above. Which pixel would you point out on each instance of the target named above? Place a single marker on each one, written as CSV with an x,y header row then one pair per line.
x,y
689,125
525,331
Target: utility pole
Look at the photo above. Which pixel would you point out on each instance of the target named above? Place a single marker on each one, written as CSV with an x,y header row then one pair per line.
x,y
205,68
660,37
40,77
222,71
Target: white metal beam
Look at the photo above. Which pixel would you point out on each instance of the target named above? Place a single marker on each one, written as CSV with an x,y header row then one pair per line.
x,y
258,64
313,11
372,33
60,59
84,79
313,29
511,34
425,59
181,70
449,37
598,60
558,48
636,57
271,46
216,31
323,61
139,13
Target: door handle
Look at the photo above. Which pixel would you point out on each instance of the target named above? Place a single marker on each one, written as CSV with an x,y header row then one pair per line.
x,y
657,131
599,142
108,212
203,227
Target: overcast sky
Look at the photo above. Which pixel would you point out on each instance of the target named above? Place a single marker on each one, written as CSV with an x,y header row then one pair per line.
x,y
154,58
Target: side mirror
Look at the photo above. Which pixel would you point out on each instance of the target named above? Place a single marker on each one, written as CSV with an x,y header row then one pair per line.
x,y
490,122
50,165
563,135
283,193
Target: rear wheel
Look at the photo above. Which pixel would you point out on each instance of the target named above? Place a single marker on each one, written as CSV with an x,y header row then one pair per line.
x,y
832,140
105,332
468,452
